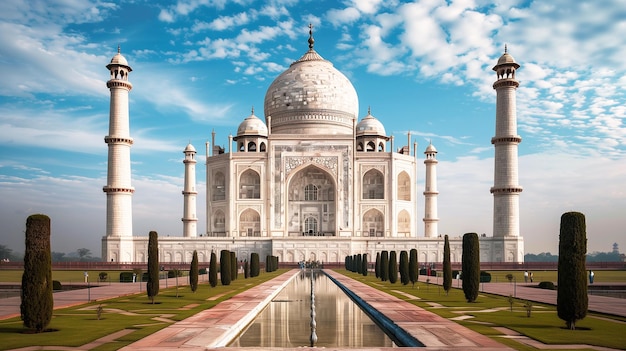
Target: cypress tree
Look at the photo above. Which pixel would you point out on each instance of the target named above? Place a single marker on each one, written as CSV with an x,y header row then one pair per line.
x,y
377,265
357,267
193,272
225,267
471,266
268,264
413,269
213,270
233,266
152,286
447,265
364,265
254,265
246,269
393,267
348,263
36,295
404,267
572,300
384,265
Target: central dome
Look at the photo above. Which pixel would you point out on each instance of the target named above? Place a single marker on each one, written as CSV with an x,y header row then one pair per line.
x,y
311,97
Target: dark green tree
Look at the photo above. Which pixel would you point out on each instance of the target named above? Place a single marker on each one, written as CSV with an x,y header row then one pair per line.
x,y
234,272
225,267
384,265
83,253
404,267
358,266
447,265
413,266
213,270
194,272
255,268
36,295
572,300
246,269
470,266
377,265
393,267
268,264
364,265
152,286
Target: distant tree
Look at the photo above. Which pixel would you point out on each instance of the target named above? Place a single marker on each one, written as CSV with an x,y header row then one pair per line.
x,y
358,265
213,270
246,269
404,267
234,272
572,300
268,264
58,256
194,272
384,265
364,265
377,265
36,295
152,287
225,265
255,268
470,266
5,253
413,266
393,267
83,253
447,266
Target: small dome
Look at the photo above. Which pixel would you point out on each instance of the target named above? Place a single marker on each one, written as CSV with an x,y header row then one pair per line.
x,y
252,125
430,149
506,59
119,60
190,148
369,125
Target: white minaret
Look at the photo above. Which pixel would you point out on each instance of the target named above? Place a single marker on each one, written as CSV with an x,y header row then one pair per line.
x,y
431,219
118,245
190,221
506,189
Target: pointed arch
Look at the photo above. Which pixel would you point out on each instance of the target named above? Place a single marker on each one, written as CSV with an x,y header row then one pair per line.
x,y
219,222
404,186
250,185
373,185
404,223
219,186
250,223
373,223
311,202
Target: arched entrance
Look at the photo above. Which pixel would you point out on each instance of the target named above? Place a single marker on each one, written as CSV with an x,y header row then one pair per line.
x,y
311,204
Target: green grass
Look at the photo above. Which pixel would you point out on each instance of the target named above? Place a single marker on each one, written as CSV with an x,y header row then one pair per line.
x,y
551,276
77,276
79,325
543,324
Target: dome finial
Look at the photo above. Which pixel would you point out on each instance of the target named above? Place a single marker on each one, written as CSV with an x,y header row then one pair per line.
x,y
311,40
119,49
506,50
369,110
252,109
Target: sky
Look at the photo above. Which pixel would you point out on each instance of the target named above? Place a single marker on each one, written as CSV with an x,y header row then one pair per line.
x,y
423,67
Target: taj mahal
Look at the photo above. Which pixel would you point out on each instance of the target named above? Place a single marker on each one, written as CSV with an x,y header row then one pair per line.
x,y
312,180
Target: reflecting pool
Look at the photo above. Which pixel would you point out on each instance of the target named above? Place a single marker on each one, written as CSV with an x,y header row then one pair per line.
x,y
286,321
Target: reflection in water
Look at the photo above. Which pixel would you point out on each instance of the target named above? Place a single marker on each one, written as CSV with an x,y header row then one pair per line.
x,y
286,321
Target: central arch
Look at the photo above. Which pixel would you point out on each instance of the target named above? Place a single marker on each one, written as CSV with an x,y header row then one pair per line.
x,y
311,203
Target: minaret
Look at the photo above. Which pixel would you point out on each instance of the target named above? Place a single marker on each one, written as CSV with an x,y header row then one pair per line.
x,y
119,192
431,219
506,189
190,221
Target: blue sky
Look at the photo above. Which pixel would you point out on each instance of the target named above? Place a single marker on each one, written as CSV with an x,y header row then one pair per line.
x,y
201,65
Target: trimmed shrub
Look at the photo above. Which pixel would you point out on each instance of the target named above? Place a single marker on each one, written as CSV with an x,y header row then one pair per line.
x,y
447,265
173,273
36,295
471,266
413,266
572,300
384,266
202,271
255,268
126,277
152,287
194,272
404,267
56,285
225,265
103,276
246,269
234,272
377,265
364,265
485,277
213,270
393,267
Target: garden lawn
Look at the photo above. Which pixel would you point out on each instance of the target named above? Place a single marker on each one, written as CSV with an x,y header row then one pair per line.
x,y
79,325
543,324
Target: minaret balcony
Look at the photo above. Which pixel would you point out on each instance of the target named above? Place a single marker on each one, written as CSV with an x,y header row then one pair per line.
x,y
109,189
506,139
505,82
507,190
118,140
116,83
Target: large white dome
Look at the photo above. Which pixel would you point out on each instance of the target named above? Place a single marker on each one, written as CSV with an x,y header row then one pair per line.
x,y
311,97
